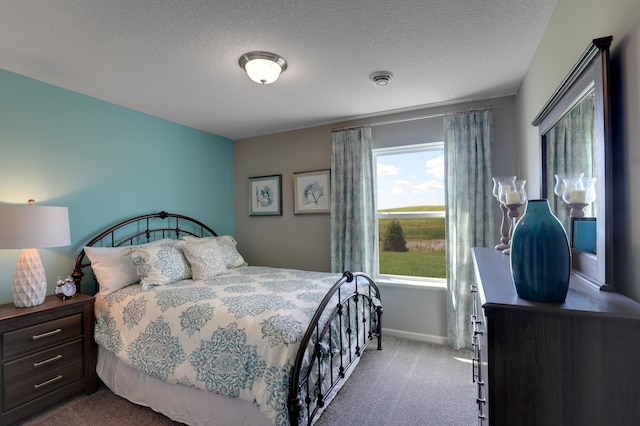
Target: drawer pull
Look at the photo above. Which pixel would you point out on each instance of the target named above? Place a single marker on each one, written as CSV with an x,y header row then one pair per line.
x,y
46,361
47,334
48,382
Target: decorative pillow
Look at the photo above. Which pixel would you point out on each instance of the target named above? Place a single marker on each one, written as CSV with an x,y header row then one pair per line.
x,y
227,244
112,270
160,265
205,259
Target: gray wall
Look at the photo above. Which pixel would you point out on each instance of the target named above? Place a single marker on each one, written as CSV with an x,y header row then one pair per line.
x,y
303,241
573,25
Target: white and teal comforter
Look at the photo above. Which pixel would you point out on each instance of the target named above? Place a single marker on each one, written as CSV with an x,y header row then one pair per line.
x,y
235,334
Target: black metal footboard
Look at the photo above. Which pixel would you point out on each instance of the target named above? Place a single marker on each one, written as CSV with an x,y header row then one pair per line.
x,y
348,317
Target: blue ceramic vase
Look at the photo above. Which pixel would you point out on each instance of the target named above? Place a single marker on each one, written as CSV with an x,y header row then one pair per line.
x,y
540,255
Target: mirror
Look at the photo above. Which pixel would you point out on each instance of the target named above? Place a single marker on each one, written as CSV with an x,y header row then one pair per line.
x,y
575,136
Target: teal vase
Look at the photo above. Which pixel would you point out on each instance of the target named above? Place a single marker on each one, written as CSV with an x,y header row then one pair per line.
x,y
540,255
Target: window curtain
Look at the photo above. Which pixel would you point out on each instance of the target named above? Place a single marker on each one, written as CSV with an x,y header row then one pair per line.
x,y
468,138
352,204
570,148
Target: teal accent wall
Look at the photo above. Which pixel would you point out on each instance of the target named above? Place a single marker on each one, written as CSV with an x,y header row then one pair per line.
x,y
105,163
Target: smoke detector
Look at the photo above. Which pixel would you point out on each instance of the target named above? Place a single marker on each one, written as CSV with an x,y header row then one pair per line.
x,y
381,78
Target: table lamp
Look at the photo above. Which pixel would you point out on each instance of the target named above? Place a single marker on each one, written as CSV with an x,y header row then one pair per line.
x,y
30,227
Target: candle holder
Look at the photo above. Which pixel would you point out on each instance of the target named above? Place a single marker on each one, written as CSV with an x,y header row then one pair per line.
x,y
578,194
513,196
505,225
558,189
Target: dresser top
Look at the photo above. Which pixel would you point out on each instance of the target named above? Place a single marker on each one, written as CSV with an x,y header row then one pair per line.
x,y
496,288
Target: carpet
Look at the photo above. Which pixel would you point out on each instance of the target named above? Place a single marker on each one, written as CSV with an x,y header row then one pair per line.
x,y
407,383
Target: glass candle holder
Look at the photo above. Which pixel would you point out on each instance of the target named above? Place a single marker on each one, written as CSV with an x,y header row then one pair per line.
x,y
513,196
514,193
578,194
505,226
560,185
501,180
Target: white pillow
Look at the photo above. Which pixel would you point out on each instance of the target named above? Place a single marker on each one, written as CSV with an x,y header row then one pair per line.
x,y
160,265
205,259
112,270
227,244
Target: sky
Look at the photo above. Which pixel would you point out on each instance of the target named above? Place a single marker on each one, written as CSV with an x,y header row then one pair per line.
x,y
410,179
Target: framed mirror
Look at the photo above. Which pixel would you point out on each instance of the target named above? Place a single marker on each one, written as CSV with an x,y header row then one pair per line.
x,y
575,140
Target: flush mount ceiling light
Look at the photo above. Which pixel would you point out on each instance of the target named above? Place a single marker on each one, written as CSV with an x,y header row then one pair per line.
x,y
381,78
263,67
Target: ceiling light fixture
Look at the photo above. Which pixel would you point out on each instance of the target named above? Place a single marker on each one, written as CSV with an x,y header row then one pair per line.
x,y
262,67
381,78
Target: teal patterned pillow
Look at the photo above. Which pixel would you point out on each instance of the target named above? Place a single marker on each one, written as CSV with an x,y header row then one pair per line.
x,y
205,259
227,244
160,265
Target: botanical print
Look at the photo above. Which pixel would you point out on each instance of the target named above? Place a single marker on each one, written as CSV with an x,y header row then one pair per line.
x,y
312,192
264,195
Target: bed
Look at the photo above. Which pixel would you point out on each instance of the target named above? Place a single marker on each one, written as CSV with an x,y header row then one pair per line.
x,y
186,327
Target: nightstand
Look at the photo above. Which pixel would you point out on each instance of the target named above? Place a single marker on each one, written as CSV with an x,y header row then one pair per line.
x,y
47,354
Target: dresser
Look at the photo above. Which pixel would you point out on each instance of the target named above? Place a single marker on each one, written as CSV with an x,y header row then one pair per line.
x,y
575,363
48,354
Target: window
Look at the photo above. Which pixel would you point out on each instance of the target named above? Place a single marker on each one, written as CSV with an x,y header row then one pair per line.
x,y
410,202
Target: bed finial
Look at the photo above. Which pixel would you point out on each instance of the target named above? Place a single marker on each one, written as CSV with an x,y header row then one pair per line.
x,y
163,214
348,275
77,278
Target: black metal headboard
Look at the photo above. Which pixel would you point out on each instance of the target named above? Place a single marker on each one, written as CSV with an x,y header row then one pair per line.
x,y
140,230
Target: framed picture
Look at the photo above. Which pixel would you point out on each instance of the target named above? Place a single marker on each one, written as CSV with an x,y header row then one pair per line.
x,y
265,195
312,192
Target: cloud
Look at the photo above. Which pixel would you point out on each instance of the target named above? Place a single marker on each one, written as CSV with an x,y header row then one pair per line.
x,y
435,167
426,187
387,170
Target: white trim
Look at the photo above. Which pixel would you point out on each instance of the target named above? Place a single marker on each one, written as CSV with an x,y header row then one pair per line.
x,y
412,283
417,147
411,215
429,338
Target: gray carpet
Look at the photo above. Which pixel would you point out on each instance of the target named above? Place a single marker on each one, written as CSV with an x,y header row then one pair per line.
x,y
407,383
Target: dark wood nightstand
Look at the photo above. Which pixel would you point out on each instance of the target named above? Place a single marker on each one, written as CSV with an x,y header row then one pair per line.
x,y
47,354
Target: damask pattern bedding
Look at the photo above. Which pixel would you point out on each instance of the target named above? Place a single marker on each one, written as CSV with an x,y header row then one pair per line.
x,y
235,334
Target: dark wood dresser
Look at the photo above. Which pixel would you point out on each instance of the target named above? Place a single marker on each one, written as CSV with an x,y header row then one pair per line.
x,y
48,354
575,363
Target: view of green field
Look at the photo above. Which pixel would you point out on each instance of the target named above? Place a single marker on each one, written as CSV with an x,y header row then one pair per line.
x,y
425,237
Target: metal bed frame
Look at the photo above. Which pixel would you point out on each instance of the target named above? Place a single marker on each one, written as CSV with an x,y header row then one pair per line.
x,y
357,317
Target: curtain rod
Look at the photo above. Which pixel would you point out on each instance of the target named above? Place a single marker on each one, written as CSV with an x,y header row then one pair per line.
x,y
403,120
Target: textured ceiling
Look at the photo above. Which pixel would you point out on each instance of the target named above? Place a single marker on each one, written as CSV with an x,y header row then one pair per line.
x,y
178,59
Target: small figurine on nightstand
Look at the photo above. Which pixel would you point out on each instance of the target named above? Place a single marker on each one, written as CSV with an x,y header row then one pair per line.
x,y
65,289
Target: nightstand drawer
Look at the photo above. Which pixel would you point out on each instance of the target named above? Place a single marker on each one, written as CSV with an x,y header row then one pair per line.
x,y
41,335
38,374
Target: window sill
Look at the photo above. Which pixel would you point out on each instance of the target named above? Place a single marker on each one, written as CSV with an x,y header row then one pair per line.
x,y
402,282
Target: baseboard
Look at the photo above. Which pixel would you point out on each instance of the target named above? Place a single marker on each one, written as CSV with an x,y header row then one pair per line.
x,y
429,338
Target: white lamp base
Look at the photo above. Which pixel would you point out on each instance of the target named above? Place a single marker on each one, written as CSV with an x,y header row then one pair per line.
x,y
29,281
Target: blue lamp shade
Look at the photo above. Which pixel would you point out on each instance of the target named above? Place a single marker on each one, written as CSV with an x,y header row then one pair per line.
x,y
30,227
